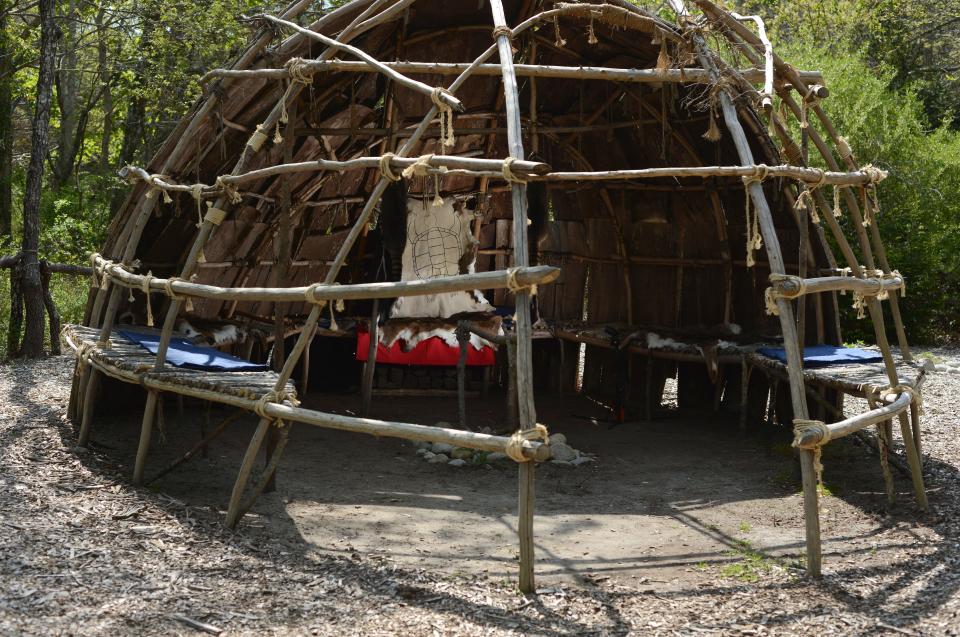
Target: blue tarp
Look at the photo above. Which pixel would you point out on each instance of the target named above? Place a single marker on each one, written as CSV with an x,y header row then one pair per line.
x,y
824,355
183,353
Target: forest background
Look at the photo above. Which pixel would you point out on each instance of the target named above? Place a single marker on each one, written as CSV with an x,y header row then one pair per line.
x,y
121,74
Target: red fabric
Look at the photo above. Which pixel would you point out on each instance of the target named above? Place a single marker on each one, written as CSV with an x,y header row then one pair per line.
x,y
432,351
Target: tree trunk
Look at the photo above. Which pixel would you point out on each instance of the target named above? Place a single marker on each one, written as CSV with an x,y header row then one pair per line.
x,y
32,287
6,130
68,96
106,77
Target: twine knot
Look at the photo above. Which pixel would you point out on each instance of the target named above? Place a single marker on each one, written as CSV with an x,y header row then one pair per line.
x,y
385,168
514,448
508,173
754,237
230,190
803,426
447,138
896,390
299,70
772,293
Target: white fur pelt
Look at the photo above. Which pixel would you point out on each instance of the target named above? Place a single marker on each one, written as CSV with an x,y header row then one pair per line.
x,y
210,334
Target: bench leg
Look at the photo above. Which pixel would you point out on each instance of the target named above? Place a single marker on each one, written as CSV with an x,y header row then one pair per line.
x,y
250,457
89,397
146,432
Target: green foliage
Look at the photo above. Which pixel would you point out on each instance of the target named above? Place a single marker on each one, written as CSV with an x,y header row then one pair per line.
x,y
920,200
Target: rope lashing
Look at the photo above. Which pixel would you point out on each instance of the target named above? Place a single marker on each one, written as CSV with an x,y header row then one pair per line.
x,y
772,293
419,168
591,34
754,238
299,70
153,181
196,191
803,426
876,174
385,168
93,267
860,298
257,139
502,30
557,38
508,173
168,287
447,138
515,286
215,215
843,147
896,390
260,407
311,294
805,198
514,448
808,99
146,291
230,190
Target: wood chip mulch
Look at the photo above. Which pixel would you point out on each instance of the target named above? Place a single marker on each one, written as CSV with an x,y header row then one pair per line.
x,y
84,553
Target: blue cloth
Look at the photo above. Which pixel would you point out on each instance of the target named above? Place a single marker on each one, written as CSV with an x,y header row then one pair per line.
x,y
183,353
824,355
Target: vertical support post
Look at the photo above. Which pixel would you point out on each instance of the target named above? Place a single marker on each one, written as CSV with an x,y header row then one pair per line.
x,y
915,419
366,391
524,354
463,339
146,432
744,392
883,447
89,397
788,327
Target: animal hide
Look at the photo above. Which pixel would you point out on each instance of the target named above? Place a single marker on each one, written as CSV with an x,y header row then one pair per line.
x,y
410,332
438,238
210,333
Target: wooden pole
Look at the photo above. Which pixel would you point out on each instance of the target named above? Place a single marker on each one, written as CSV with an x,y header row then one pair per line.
x,y
146,432
787,324
463,339
369,367
545,71
524,380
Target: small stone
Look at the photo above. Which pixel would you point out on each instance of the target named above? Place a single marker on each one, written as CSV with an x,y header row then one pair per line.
x,y
496,455
428,455
562,452
423,444
461,453
929,365
558,439
422,452
457,462
579,460
955,370
441,447
439,458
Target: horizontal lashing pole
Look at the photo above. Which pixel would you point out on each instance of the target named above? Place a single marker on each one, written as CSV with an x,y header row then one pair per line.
x,y
795,286
321,293
614,74
858,422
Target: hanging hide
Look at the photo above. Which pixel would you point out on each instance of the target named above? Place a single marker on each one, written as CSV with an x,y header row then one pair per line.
x,y
438,238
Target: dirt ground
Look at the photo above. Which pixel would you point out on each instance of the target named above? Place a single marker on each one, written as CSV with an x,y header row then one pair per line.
x,y
680,526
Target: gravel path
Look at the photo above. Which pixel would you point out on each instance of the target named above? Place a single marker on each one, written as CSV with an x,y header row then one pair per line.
x,y
83,553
